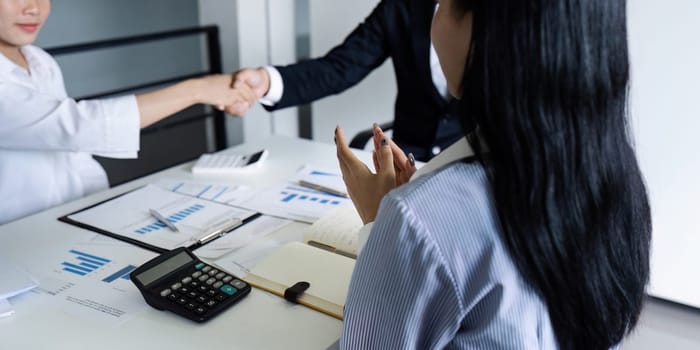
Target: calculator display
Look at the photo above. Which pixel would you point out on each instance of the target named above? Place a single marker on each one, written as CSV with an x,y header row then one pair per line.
x,y
164,268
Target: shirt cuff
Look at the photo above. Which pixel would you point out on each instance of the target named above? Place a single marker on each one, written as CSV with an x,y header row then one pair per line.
x,y
123,127
274,93
363,236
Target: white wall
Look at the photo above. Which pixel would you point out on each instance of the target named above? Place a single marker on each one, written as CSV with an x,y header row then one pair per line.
x,y
370,101
665,100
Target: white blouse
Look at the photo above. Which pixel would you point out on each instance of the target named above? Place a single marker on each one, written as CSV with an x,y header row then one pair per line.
x,y
47,139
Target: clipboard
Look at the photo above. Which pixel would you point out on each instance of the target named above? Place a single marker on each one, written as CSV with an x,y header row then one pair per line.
x,y
134,224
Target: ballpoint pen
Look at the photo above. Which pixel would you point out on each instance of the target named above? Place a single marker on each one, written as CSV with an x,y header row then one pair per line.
x,y
162,219
321,188
220,229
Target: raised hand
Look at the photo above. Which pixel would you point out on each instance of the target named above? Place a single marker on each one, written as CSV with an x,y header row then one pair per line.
x,y
365,188
404,165
256,81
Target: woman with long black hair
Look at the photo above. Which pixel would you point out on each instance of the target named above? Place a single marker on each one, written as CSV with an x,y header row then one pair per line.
x,y
532,232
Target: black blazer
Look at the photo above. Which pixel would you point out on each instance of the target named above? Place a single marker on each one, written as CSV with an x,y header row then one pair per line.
x,y
396,29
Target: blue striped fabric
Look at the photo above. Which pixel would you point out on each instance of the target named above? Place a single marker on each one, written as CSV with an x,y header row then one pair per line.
x,y
435,274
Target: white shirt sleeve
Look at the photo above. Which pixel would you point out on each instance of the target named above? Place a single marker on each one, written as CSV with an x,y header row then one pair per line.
x,y
33,120
274,94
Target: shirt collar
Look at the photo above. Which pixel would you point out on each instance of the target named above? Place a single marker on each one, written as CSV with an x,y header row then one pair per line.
x,y
458,150
7,66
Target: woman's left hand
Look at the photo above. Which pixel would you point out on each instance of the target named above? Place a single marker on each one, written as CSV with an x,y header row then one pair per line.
x,y
365,188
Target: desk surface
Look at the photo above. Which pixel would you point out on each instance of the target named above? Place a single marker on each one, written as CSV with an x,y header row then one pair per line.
x,y
260,321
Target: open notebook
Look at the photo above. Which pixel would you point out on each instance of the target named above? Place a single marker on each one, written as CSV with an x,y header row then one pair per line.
x,y
326,262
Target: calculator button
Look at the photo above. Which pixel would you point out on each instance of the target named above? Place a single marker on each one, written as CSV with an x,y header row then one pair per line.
x,y
211,292
176,286
196,274
220,297
229,290
192,294
220,275
213,272
203,288
238,284
210,281
218,284
183,290
172,296
206,269
181,301
186,280
211,303
165,292
202,299
200,310
226,279
203,278
199,266
190,306
194,284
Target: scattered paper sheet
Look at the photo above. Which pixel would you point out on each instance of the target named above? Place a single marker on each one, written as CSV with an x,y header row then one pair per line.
x,y
14,280
286,200
323,177
90,280
242,236
295,202
6,308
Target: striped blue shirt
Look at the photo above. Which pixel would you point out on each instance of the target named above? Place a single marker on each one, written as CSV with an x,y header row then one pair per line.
x,y
435,273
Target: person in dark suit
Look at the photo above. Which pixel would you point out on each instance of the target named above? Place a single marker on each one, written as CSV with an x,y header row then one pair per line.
x,y
424,122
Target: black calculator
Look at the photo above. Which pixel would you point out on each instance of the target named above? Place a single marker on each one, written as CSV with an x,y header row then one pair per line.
x,y
179,282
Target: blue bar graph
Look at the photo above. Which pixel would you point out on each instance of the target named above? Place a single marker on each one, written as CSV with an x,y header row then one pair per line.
x,y
300,194
84,264
323,173
174,218
123,273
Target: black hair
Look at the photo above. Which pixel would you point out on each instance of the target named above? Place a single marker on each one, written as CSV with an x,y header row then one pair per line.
x,y
547,84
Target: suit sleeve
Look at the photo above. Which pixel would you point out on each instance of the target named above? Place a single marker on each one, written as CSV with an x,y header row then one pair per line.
x,y
365,49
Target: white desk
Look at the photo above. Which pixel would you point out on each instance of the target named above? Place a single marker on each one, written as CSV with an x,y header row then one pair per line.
x,y
260,321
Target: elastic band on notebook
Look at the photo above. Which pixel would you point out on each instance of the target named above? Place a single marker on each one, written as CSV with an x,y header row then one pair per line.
x,y
293,293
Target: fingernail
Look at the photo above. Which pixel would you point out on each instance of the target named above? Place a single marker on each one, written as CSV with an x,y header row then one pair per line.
x,y
412,159
385,142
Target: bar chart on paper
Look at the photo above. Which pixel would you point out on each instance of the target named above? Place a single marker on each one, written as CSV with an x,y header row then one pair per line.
x,y
83,264
174,218
293,194
295,202
90,279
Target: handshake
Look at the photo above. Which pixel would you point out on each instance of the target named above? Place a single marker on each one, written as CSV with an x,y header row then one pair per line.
x,y
235,93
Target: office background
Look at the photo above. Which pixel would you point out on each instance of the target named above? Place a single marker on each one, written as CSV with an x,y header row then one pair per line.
x,y
664,48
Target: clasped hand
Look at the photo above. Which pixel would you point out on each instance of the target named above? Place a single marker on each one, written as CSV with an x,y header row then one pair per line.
x,y
234,93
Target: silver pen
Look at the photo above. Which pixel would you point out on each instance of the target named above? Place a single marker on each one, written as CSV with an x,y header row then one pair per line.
x,y
220,230
161,218
321,188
